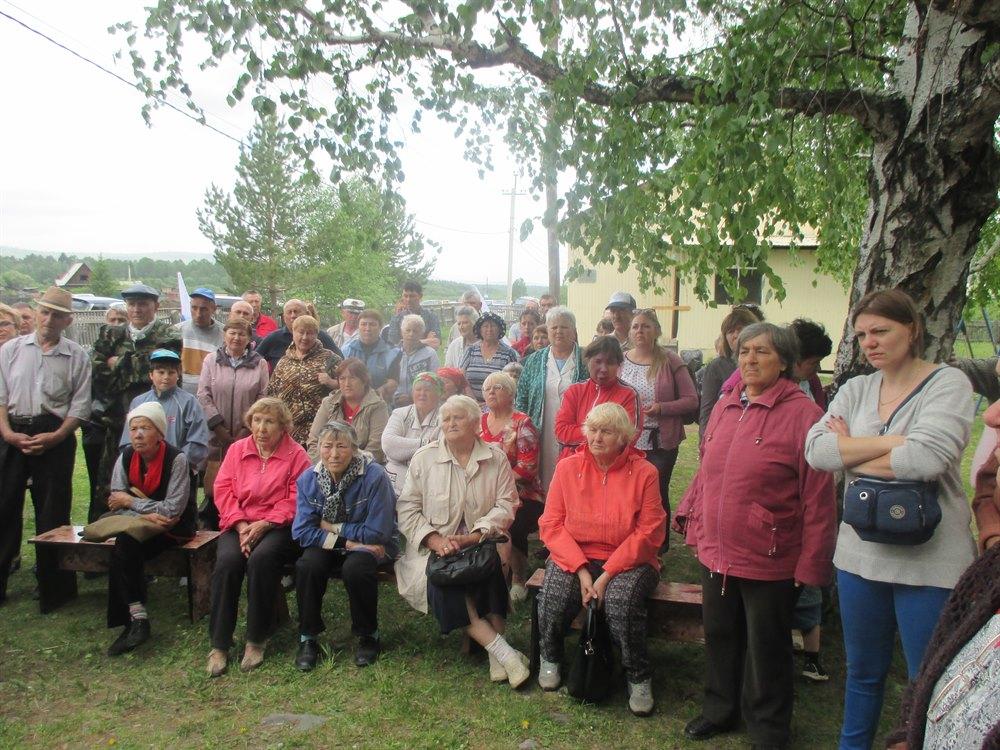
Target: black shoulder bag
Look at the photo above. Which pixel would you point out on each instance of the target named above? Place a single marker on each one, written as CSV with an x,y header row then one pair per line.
x,y
471,565
893,511
594,663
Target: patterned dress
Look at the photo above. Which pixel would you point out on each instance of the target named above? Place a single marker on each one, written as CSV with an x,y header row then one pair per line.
x,y
295,382
477,368
519,440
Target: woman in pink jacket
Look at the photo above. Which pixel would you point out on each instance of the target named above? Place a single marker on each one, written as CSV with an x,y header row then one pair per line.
x,y
763,523
255,494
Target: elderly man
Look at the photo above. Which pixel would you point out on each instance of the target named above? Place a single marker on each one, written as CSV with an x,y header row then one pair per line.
x,y
26,318
622,309
44,394
473,299
262,325
545,303
274,345
120,362
413,293
347,329
200,336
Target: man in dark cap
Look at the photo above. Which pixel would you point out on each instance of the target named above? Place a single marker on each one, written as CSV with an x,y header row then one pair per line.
x,y
201,336
121,372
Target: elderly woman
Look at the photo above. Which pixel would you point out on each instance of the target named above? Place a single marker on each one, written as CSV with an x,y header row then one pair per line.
x,y
412,427
465,318
9,323
346,523
255,494
539,340
614,560
150,481
667,392
458,491
232,379
909,420
529,321
762,523
356,403
300,377
416,357
545,380
488,354
518,438
604,358
720,368
454,381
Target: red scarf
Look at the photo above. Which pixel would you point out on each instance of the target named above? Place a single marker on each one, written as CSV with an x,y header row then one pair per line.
x,y
150,482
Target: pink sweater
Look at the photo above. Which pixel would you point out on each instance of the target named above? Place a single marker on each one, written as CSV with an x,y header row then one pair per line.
x,y
249,488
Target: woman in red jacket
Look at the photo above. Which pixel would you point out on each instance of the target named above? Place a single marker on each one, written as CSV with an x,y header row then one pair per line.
x,y
255,494
763,523
603,525
603,357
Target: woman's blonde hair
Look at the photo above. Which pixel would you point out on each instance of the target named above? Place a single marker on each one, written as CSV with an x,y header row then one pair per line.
x,y
503,380
272,406
305,322
8,312
462,405
659,353
613,417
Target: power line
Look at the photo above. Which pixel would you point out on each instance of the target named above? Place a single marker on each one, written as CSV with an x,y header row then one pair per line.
x,y
117,77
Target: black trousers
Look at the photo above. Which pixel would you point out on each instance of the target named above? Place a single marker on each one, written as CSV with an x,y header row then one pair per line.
x,y
357,570
263,573
51,475
127,575
94,436
664,461
748,654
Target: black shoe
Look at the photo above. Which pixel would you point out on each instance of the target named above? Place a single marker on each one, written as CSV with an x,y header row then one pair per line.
x,y
368,650
133,635
813,670
307,656
703,729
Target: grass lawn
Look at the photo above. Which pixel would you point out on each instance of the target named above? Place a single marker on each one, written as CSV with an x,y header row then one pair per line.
x,y
58,689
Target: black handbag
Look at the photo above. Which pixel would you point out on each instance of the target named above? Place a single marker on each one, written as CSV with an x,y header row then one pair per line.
x,y
471,565
893,511
594,664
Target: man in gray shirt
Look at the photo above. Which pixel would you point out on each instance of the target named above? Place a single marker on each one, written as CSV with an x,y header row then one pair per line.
x,y
44,394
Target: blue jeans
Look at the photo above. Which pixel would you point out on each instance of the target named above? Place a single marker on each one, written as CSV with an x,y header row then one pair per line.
x,y
871,611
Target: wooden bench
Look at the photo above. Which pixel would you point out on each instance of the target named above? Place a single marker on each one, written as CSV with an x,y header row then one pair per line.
x,y
673,613
63,549
385,573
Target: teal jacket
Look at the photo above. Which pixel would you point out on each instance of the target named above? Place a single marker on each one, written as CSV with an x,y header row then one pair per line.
x,y
531,385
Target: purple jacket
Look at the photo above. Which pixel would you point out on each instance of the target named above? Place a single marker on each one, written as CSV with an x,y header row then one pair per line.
x,y
226,392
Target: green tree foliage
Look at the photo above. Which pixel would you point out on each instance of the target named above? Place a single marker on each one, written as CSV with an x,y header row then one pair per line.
x,y
258,231
15,281
519,288
872,121
102,283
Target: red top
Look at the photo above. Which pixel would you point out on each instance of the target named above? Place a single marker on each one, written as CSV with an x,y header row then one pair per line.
x,y
521,345
520,443
577,402
250,488
349,413
615,515
265,325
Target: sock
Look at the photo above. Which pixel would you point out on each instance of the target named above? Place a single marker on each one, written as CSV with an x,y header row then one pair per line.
x,y
303,638
502,650
811,655
137,611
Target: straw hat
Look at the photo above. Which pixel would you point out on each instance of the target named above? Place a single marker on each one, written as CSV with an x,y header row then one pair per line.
x,y
56,299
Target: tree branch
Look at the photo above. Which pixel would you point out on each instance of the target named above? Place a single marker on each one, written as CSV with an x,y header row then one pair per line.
x,y
978,264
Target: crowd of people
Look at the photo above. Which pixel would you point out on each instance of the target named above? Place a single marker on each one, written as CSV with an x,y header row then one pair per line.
x,y
352,450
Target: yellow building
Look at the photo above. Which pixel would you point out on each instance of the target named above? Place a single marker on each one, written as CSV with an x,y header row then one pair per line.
x,y
698,327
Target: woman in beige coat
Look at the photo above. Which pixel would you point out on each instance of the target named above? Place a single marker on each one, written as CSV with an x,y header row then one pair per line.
x,y
459,490
356,403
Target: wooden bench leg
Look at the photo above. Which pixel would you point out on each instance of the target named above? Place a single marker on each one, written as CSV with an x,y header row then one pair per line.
x,y
200,583
55,586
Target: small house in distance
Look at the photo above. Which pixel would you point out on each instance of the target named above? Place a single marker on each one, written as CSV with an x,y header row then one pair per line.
x,y
77,277
695,325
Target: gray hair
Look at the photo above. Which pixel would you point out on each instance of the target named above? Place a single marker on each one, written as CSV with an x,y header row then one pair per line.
x,y
471,295
783,339
336,428
413,319
463,405
467,310
503,380
560,311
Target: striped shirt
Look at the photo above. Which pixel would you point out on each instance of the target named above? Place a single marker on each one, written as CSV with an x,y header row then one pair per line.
x,y
477,369
198,344
34,382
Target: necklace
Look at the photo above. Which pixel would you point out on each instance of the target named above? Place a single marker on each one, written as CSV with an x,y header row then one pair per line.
x,y
902,392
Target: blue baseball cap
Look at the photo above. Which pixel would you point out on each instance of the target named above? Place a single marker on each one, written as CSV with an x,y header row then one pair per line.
x,y
204,291
164,355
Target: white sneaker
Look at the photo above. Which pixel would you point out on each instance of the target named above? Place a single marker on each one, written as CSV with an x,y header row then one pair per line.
x,y
497,672
518,593
640,697
548,675
517,669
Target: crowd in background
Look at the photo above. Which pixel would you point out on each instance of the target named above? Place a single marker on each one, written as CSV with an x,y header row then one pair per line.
x,y
359,449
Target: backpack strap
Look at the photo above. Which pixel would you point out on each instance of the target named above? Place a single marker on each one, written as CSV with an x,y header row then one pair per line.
x,y
905,401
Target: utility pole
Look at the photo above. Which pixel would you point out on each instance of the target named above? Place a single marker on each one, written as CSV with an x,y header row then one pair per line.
x,y
510,242
550,171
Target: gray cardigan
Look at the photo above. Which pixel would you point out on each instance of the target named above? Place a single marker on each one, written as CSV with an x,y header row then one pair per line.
x,y
937,423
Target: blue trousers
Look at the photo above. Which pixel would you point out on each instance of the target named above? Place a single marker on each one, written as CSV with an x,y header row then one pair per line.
x,y
871,612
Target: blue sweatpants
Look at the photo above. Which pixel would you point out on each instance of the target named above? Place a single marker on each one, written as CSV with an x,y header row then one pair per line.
x,y
871,612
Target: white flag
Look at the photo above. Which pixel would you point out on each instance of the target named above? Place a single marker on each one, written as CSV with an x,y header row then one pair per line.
x,y
185,298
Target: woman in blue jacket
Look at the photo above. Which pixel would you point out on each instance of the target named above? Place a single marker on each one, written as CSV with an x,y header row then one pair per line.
x,y
345,520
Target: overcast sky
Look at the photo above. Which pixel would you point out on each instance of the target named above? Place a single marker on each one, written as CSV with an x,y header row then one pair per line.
x,y
80,171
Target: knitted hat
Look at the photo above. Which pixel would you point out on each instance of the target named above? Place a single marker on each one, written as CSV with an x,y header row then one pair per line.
x,y
153,412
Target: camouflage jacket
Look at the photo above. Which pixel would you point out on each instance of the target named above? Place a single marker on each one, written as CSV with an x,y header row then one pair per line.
x,y
113,388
